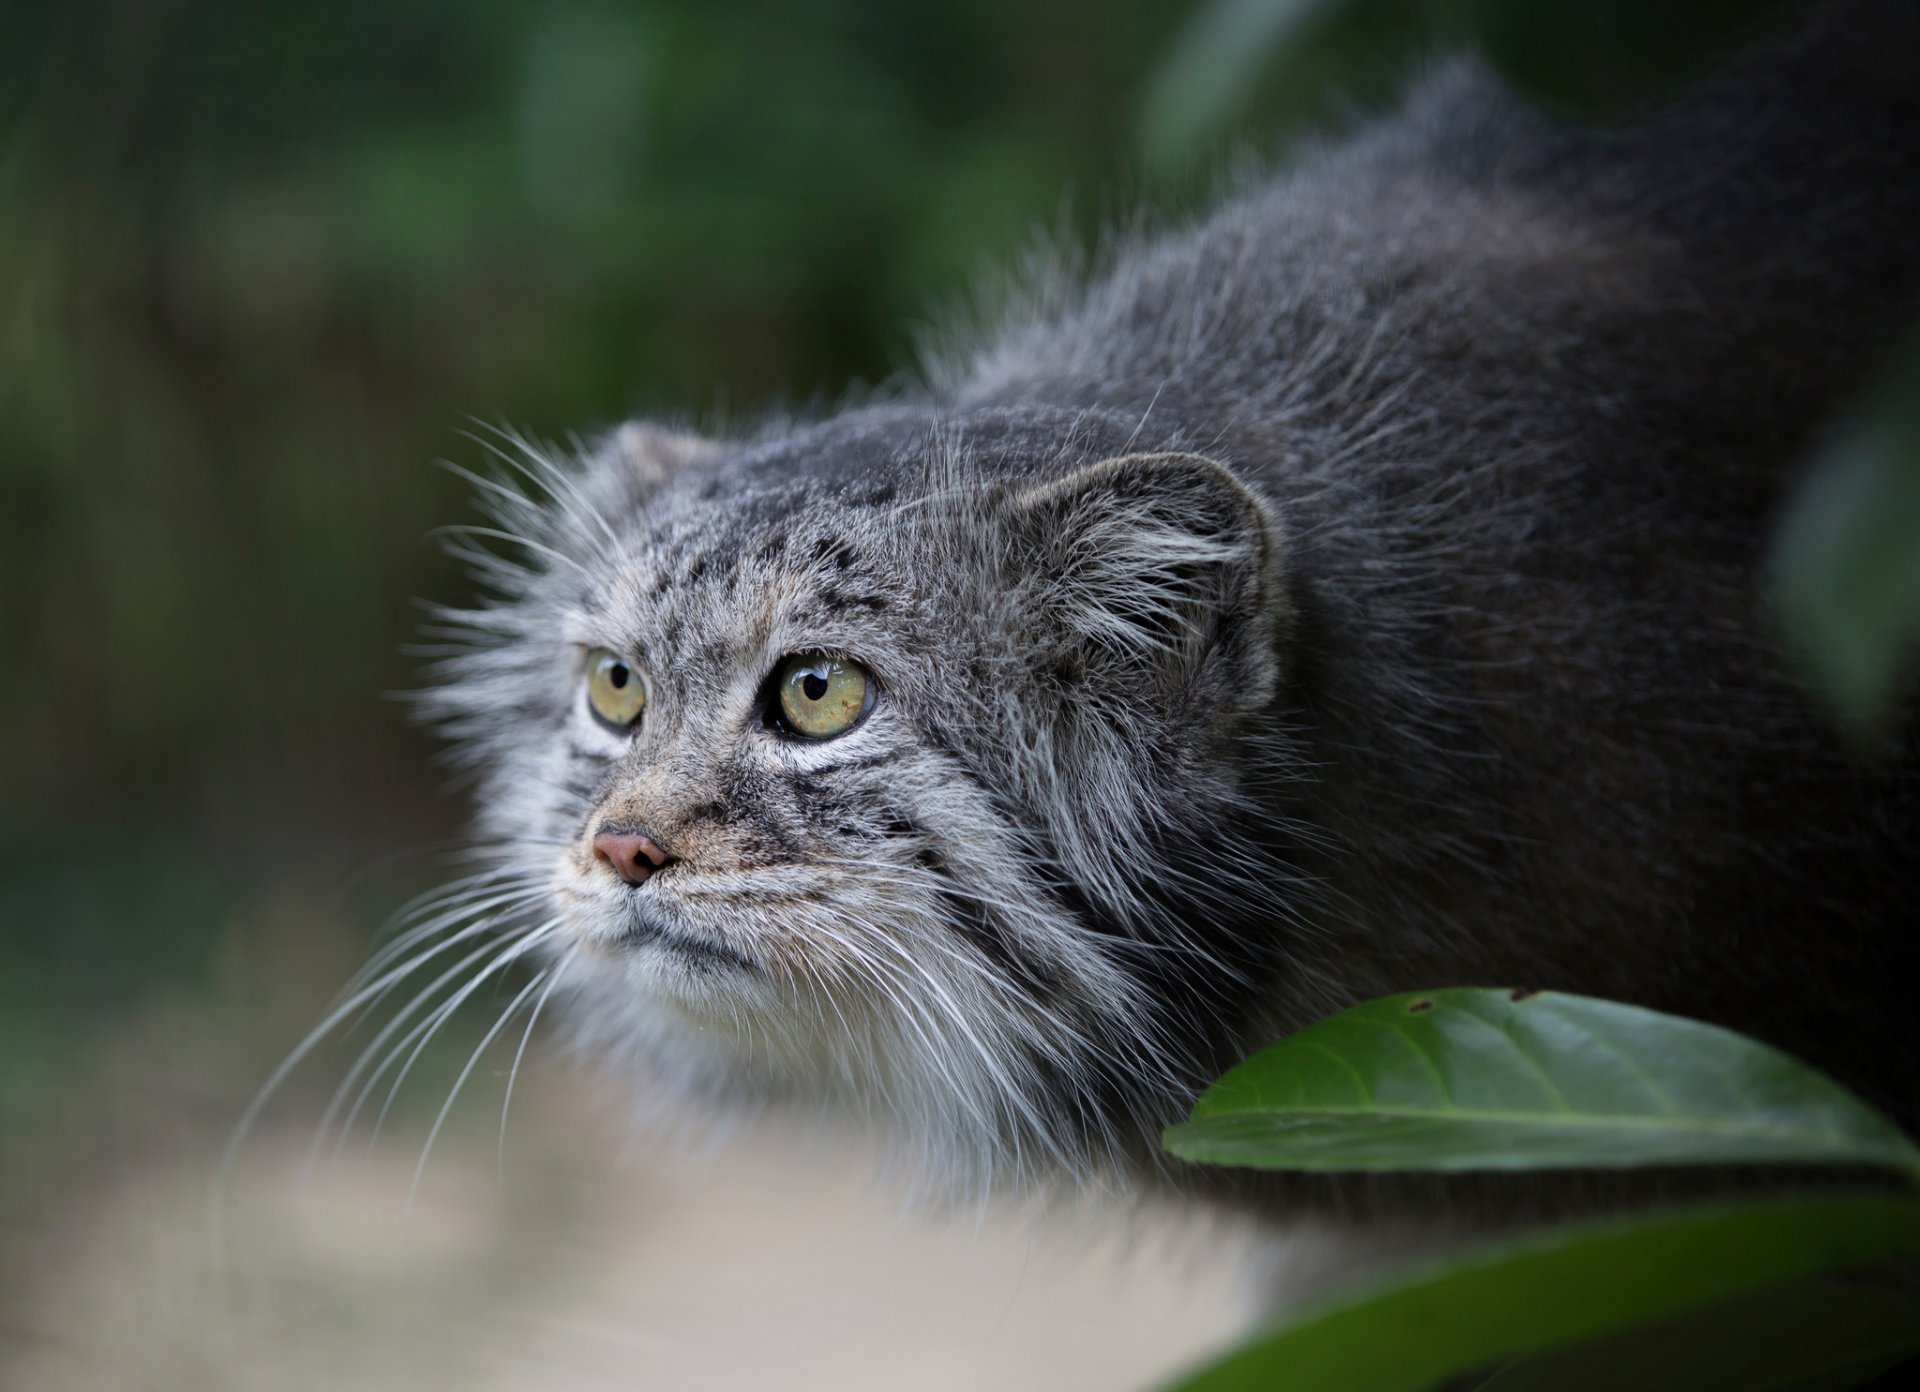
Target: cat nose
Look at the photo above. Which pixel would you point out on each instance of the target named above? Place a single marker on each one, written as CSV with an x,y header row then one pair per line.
x,y
632,854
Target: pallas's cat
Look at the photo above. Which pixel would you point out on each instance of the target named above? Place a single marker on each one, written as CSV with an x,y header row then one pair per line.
x,y
1361,589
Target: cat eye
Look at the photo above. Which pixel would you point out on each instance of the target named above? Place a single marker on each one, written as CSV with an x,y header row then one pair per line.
x,y
818,697
615,693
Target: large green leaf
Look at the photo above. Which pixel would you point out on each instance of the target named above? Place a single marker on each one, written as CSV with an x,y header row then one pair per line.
x,y
1560,1287
1469,1079
1798,1338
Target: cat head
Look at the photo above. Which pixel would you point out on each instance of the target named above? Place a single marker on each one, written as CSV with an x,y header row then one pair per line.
x,y
900,762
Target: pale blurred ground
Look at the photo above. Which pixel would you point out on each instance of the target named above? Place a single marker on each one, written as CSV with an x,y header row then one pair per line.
x,y
583,1257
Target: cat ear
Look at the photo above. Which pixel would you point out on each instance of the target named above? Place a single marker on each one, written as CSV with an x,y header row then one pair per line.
x,y
630,463
653,453
1164,565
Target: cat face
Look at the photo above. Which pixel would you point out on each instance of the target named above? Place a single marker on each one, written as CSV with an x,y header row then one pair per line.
x,y
857,766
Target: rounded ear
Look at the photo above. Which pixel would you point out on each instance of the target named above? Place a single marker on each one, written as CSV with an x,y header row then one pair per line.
x,y
655,454
1166,564
629,464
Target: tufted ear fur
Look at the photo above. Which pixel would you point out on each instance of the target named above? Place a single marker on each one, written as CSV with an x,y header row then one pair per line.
x,y
1164,566
655,453
630,463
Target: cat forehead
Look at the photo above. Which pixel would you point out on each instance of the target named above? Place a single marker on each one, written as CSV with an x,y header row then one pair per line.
x,y
731,525
743,565
882,513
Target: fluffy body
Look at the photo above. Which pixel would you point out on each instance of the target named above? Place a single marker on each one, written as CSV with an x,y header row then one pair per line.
x,y
1357,591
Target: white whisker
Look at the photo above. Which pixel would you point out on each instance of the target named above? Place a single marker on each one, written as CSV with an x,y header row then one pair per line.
x,y
439,1120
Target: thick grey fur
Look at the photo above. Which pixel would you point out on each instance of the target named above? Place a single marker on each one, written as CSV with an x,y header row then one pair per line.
x,y
1360,590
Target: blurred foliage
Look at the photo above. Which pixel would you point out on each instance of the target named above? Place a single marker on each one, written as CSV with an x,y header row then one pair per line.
x,y
1847,582
1235,59
1236,62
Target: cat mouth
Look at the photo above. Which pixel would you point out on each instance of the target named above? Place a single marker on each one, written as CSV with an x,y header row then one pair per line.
x,y
644,931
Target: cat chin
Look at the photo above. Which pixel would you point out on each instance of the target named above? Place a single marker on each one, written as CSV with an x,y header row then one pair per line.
x,y
703,1018
693,1081
666,982
643,1012
698,1060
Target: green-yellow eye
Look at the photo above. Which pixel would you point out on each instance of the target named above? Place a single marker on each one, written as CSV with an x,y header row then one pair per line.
x,y
821,696
615,692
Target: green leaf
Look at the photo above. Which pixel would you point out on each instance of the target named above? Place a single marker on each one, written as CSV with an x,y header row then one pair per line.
x,y
1471,1079
1559,1287
1847,561
1820,1334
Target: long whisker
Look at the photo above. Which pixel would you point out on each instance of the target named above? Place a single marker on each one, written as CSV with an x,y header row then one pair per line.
x,y
514,900
311,1041
325,1125
470,529
508,955
433,1133
513,1073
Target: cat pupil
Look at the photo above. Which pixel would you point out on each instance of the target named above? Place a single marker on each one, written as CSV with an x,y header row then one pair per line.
x,y
617,674
814,685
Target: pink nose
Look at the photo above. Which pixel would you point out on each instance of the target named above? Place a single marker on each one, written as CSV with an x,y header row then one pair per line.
x,y
632,854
